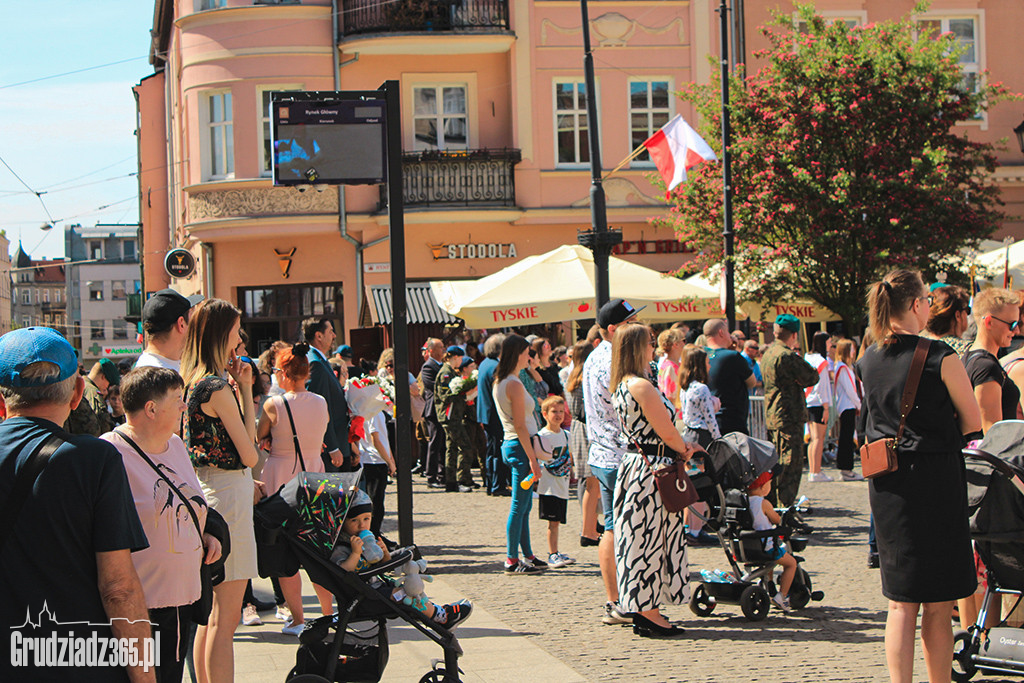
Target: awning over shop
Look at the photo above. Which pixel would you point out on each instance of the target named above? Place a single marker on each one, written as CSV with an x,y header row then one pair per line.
x,y
807,311
422,305
559,286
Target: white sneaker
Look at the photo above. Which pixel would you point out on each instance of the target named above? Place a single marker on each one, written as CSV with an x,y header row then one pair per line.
x,y
283,613
567,559
850,475
819,477
782,602
250,617
555,560
291,629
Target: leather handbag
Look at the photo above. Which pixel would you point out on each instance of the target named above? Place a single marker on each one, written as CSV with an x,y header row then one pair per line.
x,y
879,456
673,484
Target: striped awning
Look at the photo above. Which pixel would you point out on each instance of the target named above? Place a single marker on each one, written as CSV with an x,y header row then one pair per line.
x,y
422,306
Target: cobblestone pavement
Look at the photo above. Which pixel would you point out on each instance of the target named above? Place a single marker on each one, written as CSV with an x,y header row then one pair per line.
x,y
838,639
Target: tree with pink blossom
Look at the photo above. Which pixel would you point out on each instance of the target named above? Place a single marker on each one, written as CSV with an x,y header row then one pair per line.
x,y
846,163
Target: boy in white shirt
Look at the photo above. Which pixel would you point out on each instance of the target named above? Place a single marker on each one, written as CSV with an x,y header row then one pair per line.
x,y
552,449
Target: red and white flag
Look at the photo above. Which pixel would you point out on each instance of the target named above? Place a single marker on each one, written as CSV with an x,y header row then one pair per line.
x,y
677,148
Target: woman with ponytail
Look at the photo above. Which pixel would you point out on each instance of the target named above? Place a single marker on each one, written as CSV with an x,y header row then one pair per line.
x,y
920,509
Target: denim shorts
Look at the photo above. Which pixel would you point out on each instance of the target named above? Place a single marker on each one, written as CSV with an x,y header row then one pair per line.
x,y
606,478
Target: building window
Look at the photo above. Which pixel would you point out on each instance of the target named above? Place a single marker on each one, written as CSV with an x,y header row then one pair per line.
x,y
57,295
266,150
212,4
439,117
26,321
117,291
571,138
26,297
95,291
120,330
97,330
848,19
46,296
128,249
220,143
965,32
96,250
650,108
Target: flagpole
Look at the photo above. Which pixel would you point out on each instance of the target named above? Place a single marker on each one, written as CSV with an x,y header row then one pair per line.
x,y
727,234
632,155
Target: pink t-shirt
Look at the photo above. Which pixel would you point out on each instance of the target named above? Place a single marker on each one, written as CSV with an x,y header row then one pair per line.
x,y
668,377
169,567
311,418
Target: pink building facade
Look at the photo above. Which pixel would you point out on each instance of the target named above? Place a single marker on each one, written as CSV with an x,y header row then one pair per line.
x,y
494,133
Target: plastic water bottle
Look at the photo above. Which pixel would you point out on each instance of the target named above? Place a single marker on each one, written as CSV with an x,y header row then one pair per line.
x,y
528,482
707,576
371,551
723,577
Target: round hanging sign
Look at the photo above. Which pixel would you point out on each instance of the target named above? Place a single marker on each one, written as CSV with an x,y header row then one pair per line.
x,y
180,263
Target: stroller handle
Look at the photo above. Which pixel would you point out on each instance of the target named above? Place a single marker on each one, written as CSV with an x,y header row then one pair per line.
x,y
1001,466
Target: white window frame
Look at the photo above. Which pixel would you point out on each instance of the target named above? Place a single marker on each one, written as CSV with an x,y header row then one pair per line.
x,y
554,120
439,116
26,297
263,119
861,18
468,80
206,129
46,296
204,5
977,67
96,250
638,163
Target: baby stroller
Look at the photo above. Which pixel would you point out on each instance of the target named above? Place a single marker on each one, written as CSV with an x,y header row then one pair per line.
x,y
995,491
299,526
731,464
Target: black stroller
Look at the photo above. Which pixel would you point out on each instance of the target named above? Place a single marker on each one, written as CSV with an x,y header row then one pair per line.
x,y
995,487
299,525
731,464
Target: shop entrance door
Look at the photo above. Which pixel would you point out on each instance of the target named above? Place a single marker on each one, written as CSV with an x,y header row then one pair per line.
x,y
276,313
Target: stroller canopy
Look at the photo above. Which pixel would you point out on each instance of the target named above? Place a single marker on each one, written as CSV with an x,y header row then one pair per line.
x,y
997,505
736,460
312,506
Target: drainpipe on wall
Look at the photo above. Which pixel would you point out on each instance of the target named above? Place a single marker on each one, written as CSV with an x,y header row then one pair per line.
x,y
208,268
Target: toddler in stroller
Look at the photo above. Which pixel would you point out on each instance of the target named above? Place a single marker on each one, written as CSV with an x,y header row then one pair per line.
x,y
734,465
312,517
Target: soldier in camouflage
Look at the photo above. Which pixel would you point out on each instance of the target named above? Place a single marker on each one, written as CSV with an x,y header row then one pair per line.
x,y
459,469
91,416
786,374
455,436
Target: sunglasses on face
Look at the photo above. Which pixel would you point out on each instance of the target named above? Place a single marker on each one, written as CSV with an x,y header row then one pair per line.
x,y
533,354
1011,325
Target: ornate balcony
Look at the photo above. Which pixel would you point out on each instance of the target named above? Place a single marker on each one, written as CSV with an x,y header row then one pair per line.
x,y
476,177
405,16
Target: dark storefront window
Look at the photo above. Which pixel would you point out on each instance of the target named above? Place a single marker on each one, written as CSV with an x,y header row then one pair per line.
x,y
272,313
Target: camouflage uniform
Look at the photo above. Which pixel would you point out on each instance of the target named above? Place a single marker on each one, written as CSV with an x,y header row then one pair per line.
x,y
786,375
451,411
91,416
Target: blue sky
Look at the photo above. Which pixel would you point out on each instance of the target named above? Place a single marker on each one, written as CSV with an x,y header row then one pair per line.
x,y
75,129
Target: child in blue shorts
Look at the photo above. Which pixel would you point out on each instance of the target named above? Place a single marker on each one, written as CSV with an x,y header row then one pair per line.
x,y
765,517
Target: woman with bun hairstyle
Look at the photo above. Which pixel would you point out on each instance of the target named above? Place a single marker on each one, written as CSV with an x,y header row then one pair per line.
x,y
220,435
920,509
949,317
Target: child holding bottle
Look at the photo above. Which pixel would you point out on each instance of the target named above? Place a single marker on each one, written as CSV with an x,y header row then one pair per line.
x,y
552,449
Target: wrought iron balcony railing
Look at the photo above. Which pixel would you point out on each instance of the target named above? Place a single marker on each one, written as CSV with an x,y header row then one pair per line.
x,y
476,177
389,16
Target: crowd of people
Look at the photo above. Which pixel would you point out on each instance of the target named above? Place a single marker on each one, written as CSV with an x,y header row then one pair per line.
x,y
197,432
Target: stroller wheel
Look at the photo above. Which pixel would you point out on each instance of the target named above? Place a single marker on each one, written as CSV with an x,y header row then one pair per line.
x,y
800,592
307,678
963,647
702,604
754,602
437,676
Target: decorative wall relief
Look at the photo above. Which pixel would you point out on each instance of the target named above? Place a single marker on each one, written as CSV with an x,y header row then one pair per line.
x,y
614,30
621,192
259,201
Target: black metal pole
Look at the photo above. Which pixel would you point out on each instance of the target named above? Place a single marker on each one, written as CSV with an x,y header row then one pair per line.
x,y
740,35
730,290
399,313
601,241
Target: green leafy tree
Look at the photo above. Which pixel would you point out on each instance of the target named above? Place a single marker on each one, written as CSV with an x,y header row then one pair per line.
x,y
845,163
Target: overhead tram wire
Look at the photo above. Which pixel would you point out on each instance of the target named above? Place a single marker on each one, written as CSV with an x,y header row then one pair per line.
x,y
37,194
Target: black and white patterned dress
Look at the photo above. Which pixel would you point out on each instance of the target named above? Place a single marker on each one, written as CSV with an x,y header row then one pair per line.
x,y
650,551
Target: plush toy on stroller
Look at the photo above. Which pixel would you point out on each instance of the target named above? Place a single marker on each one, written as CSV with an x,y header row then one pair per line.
x,y
301,525
736,469
995,488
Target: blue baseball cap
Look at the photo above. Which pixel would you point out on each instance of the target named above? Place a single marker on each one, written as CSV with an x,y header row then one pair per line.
x,y
345,351
466,360
455,350
21,348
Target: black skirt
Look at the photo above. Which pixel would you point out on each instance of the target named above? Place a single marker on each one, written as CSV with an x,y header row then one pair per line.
x,y
922,528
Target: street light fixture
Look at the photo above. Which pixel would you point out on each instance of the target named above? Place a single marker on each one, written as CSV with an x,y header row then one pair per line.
x,y
1019,132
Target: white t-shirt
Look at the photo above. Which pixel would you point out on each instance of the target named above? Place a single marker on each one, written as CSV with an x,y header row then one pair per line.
x,y
368,455
155,360
552,444
761,521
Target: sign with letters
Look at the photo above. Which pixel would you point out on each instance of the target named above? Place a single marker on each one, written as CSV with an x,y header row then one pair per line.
x,y
180,263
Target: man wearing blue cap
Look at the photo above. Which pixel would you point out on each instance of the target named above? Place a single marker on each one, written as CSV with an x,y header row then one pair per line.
x,y
786,374
67,522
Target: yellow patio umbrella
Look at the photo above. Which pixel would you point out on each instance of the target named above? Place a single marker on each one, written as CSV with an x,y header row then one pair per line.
x,y
559,286
805,310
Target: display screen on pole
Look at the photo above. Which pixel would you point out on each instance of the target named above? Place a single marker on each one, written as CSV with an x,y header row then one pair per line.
x,y
322,138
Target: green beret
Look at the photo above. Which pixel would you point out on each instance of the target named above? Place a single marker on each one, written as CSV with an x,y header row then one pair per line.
x,y
788,322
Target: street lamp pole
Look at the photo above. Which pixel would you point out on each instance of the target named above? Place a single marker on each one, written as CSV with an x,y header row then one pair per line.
x,y
727,234
598,239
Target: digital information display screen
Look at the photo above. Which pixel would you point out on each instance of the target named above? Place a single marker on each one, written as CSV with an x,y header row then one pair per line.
x,y
324,141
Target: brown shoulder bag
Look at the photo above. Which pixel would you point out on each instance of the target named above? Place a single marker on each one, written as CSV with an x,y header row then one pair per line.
x,y
879,457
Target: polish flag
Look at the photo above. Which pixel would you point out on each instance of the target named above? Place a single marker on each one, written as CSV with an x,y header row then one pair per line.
x,y
675,149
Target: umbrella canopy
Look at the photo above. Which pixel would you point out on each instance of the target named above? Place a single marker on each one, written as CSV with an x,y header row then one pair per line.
x,y
807,311
996,260
559,285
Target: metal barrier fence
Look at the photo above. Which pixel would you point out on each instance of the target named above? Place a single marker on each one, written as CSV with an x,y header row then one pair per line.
x,y
755,418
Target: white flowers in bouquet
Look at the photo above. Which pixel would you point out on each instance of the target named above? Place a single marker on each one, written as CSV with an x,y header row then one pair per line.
x,y
464,385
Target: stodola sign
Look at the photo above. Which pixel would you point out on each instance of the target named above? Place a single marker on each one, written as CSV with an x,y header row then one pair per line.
x,y
180,263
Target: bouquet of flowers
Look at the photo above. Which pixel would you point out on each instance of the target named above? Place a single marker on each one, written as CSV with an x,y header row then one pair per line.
x,y
464,385
365,397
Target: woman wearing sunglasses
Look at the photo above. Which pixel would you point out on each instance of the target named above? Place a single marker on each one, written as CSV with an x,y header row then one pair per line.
x,y
948,316
996,313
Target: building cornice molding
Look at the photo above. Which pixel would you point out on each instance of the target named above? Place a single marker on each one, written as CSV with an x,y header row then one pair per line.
x,y
228,15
